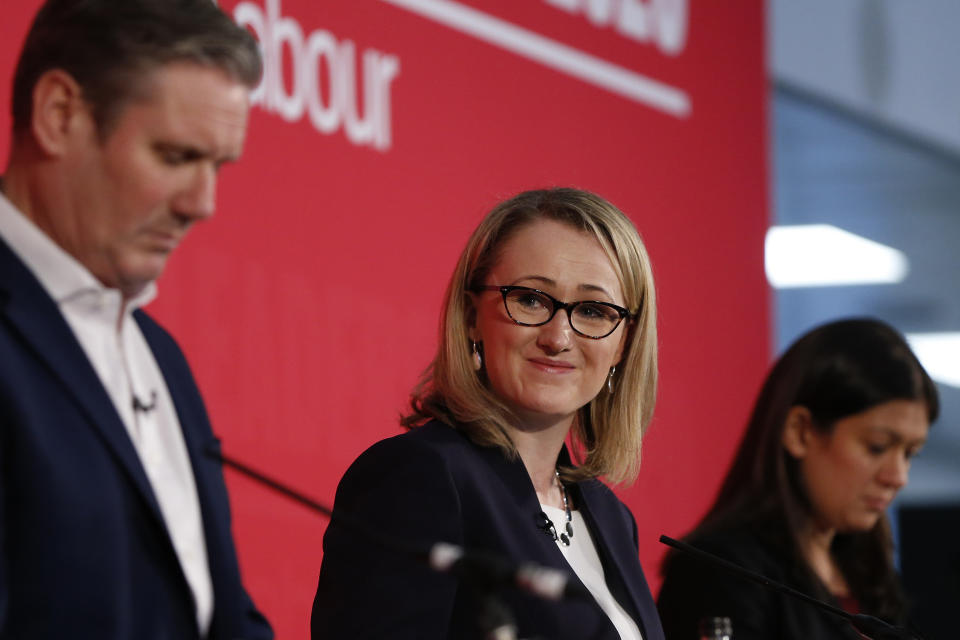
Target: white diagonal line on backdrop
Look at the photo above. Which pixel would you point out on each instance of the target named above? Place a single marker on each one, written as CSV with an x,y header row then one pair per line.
x,y
553,54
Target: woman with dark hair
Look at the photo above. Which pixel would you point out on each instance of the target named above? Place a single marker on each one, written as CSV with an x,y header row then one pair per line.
x,y
485,466
827,448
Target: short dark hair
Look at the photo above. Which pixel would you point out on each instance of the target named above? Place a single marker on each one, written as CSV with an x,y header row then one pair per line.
x,y
836,370
110,47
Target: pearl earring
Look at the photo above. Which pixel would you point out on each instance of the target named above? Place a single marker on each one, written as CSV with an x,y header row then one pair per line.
x,y
477,360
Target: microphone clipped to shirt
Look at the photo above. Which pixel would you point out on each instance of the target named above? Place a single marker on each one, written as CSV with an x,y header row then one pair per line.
x,y
139,406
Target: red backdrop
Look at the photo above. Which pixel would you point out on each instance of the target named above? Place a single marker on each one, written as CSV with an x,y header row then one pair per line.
x,y
382,132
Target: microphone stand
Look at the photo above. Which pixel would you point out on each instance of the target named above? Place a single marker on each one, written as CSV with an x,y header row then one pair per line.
x,y
870,626
495,619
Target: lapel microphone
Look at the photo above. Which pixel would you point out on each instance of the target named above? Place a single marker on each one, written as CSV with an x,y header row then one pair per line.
x,y
139,406
870,626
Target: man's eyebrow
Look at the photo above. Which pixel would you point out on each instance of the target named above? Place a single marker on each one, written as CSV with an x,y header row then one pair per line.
x,y
191,152
186,150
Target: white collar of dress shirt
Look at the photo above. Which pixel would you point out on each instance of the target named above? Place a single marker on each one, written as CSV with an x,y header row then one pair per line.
x,y
62,275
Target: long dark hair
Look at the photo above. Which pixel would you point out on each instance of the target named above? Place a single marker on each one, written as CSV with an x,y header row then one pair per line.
x,y
836,370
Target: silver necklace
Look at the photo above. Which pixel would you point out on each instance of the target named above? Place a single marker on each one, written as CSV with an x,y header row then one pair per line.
x,y
547,525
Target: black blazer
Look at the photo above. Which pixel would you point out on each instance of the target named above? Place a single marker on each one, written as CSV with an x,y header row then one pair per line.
x,y
693,590
85,552
433,484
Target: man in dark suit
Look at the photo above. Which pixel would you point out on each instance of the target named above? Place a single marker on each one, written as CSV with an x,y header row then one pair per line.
x,y
114,524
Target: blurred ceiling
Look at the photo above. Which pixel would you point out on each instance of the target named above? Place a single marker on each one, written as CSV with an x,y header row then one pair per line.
x,y
865,118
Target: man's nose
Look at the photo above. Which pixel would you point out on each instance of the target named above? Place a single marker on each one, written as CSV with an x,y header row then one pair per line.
x,y
197,200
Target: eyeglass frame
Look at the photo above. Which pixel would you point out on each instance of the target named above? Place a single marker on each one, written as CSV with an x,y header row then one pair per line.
x,y
505,290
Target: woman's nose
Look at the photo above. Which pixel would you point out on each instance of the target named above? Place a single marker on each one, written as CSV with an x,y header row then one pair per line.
x,y
896,471
555,336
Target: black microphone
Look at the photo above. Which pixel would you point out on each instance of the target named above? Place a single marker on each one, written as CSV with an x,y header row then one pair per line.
x,y
870,626
480,568
143,407
492,570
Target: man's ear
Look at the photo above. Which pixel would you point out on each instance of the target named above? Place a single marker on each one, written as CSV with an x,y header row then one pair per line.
x,y
797,431
59,112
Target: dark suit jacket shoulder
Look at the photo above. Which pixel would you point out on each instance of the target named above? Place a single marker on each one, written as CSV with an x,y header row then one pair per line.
x,y
693,590
84,550
433,484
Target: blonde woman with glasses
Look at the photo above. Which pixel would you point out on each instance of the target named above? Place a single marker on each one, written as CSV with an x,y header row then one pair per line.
x,y
548,336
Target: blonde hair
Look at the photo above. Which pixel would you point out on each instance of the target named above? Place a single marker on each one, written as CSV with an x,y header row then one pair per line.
x,y
608,431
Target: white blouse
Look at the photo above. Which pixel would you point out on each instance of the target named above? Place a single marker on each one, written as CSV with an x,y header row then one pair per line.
x,y
582,557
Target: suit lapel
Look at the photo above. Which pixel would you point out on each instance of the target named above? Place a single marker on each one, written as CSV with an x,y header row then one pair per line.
x,y
606,523
194,423
208,479
513,474
35,316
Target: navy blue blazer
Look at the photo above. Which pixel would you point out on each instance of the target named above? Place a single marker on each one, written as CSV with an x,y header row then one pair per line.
x,y
85,552
433,484
693,590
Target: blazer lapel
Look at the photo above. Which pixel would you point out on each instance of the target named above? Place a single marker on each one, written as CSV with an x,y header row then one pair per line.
x,y
35,316
517,481
194,425
208,478
606,521
513,474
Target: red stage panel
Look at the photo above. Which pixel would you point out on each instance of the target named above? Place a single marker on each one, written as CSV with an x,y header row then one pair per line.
x,y
383,131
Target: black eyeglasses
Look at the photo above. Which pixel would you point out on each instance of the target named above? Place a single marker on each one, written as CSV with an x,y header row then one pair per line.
x,y
531,308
